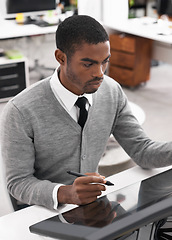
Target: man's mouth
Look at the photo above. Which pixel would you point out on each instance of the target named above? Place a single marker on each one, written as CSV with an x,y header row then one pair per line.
x,y
96,81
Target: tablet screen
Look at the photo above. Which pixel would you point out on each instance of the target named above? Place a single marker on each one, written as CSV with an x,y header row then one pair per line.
x,y
110,209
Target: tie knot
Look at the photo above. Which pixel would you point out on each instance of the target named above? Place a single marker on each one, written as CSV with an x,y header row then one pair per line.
x,y
81,102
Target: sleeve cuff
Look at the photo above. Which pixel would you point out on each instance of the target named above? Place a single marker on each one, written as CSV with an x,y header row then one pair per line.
x,y
54,195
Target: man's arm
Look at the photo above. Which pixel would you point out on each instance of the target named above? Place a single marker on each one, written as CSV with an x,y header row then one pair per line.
x,y
131,136
19,157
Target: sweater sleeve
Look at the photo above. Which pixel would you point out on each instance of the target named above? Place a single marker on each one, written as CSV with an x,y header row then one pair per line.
x,y
18,153
131,136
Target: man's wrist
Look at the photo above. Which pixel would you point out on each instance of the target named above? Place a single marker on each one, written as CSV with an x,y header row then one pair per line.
x,y
63,194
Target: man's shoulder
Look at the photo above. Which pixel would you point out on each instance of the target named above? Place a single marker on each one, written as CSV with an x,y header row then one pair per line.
x,y
29,101
110,91
31,94
110,83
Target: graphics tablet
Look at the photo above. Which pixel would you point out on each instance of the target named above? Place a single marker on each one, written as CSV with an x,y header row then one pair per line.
x,y
115,214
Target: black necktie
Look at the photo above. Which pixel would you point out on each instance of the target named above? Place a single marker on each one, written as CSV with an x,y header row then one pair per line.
x,y
81,103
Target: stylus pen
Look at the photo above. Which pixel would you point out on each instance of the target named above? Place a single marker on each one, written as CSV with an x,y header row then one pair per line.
x,y
82,175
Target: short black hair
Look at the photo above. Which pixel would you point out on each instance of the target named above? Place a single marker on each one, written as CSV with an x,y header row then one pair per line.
x,y
79,29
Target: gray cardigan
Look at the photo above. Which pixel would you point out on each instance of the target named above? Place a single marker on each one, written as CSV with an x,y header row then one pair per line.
x,y
41,141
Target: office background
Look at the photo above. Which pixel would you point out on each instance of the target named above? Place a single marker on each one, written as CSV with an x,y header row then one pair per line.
x,y
154,97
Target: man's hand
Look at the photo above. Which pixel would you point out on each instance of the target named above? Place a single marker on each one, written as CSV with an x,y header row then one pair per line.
x,y
84,190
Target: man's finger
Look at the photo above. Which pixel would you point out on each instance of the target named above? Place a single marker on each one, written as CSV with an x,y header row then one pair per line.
x,y
90,179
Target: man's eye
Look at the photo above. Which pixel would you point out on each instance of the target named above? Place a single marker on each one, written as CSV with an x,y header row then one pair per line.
x,y
87,65
107,61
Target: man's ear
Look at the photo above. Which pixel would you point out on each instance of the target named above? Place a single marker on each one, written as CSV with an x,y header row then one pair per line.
x,y
60,56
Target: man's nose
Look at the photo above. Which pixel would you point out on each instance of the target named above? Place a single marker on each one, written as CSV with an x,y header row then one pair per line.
x,y
99,71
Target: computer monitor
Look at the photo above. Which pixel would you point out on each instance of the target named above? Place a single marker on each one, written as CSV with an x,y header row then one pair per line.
x,y
29,8
164,7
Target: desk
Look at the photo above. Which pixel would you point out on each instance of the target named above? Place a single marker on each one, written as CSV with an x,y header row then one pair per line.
x,y
16,225
159,32
144,27
10,29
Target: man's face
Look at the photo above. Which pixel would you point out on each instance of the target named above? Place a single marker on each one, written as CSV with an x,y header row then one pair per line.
x,y
84,72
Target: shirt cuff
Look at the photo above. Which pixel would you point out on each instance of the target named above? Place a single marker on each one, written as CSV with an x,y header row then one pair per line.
x,y
54,195
62,219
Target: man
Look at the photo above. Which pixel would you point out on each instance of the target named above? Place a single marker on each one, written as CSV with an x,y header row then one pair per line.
x,y
41,138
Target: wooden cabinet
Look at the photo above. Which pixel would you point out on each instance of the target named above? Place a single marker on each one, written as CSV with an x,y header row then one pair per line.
x,y
130,59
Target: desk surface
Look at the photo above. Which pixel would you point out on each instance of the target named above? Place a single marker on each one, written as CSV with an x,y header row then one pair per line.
x,y
10,29
16,225
145,27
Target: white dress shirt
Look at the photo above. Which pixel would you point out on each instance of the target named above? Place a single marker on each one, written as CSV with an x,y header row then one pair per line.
x,y
67,99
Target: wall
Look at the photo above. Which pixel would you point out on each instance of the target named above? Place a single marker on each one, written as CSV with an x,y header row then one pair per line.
x,y
104,10
111,10
2,8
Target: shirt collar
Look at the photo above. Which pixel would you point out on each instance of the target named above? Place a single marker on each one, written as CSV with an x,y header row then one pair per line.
x,y
67,98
